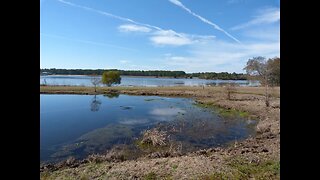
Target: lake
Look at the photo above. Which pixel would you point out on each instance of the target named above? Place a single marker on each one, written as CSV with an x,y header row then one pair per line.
x,y
79,80
79,125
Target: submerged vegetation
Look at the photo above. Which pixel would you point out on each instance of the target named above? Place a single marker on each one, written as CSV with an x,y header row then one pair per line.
x,y
227,113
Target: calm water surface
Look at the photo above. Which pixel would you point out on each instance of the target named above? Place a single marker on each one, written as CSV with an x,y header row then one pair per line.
x,y
140,81
79,125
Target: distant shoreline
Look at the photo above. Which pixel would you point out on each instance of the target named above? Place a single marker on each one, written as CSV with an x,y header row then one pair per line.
x,y
168,77
159,77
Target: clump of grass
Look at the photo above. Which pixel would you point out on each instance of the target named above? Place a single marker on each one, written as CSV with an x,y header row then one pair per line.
x,y
168,177
215,176
268,169
154,137
174,167
150,176
44,175
244,114
84,177
240,168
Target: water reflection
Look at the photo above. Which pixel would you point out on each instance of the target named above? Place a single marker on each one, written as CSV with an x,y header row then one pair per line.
x,y
111,95
120,119
166,111
95,104
134,121
140,81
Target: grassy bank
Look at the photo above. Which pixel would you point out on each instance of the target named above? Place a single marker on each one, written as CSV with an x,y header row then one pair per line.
x,y
168,91
254,158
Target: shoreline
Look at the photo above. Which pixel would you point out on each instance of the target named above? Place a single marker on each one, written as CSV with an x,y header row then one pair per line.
x,y
168,77
159,77
223,162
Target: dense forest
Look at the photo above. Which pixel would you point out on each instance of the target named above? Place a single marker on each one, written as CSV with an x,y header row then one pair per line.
x,y
159,73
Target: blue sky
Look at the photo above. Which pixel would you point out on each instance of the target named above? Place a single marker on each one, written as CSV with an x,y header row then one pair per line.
x,y
188,35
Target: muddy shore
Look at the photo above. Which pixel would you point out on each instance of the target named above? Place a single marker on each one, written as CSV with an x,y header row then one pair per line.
x,y
256,157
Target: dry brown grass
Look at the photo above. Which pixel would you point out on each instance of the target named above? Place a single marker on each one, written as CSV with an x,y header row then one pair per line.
x,y
154,137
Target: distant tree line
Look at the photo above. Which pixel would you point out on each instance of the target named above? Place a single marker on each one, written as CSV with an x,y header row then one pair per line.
x,y
221,75
101,71
156,73
54,71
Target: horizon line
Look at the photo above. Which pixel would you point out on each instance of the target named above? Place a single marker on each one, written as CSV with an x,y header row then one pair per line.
x,y
145,70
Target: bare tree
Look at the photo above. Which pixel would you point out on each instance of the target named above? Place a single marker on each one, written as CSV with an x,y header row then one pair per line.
x,y
257,68
95,80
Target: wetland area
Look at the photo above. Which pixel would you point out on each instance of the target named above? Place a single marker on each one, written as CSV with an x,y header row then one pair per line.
x,y
201,134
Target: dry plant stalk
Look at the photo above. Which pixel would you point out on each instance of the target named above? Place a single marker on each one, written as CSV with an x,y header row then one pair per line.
x,y
154,137
230,88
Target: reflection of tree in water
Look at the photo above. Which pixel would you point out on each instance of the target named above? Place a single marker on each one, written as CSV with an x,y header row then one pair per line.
x,y
95,104
111,95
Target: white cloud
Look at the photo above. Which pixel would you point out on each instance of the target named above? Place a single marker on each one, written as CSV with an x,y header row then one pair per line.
x,y
178,3
160,37
265,16
133,28
124,61
263,33
177,58
169,37
220,56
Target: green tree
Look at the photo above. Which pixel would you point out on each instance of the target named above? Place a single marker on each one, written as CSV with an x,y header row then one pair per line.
x,y
111,77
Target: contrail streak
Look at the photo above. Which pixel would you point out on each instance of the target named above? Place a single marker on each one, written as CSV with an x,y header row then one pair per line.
x,y
178,3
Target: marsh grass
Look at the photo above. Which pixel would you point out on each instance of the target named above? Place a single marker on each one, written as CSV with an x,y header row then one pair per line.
x,y
226,113
240,168
150,176
268,169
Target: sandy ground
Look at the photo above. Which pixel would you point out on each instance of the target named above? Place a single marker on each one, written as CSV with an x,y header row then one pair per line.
x,y
254,158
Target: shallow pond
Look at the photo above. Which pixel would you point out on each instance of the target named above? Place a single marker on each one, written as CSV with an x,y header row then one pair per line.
x,y
81,80
79,125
